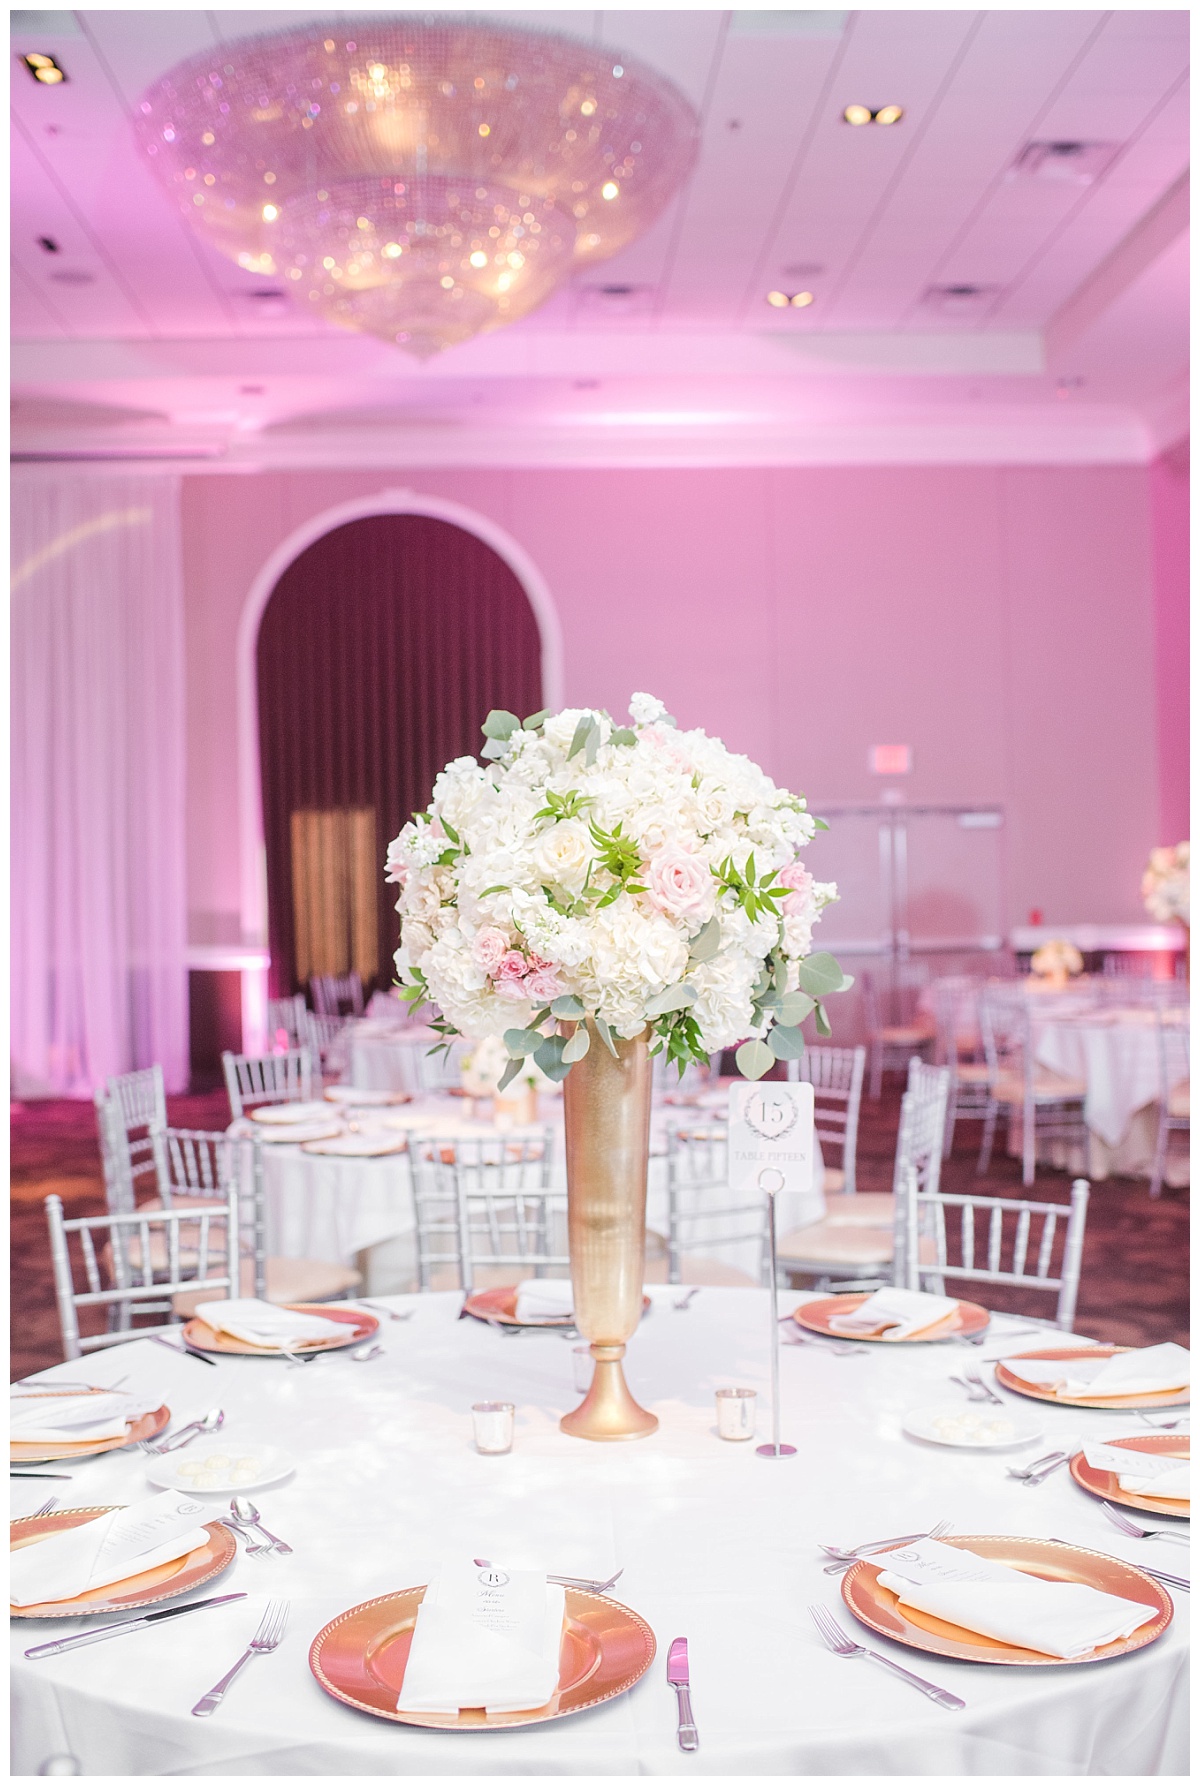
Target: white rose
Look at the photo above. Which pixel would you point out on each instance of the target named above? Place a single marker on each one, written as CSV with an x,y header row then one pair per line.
x,y
644,710
562,853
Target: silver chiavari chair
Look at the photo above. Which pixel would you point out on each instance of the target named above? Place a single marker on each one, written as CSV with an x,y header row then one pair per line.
x,y
330,992
704,1217
836,1076
896,1027
133,1105
285,1016
1050,1107
1174,1091
1128,967
326,1040
483,1205
113,1255
960,1047
267,1079
985,1251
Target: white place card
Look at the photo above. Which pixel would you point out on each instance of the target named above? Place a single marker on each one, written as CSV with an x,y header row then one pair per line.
x,y
771,1138
1131,1463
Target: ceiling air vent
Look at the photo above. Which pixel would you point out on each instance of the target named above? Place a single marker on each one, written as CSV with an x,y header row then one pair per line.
x,y
960,300
617,300
1073,162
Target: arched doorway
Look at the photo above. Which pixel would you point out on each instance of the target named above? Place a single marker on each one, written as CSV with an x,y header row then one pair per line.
x,y
381,647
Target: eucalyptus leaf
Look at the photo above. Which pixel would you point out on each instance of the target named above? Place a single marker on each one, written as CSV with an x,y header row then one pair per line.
x,y
500,724
754,1059
675,998
623,735
549,1057
535,720
824,1027
785,1042
579,736
606,1035
794,1007
591,746
521,1042
494,749
568,1006
820,974
578,1044
509,1074
488,891
706,942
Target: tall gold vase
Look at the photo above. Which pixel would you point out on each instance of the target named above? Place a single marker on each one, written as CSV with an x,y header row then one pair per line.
x,y
607,1114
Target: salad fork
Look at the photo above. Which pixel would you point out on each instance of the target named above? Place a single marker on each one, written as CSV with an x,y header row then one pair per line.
x,y
268,1637
843,1559
841,1645
1039,1469
1131,1528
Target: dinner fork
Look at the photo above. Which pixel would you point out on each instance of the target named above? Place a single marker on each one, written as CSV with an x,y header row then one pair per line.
x,y
1132,1530
975,1382
1039,1469
266,1638
841,1645
1171,1581
842,1559
46,1507
1164,1426
685,1300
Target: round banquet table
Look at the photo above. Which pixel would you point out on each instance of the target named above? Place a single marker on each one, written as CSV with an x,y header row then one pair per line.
x,y
1116,1053
716,1543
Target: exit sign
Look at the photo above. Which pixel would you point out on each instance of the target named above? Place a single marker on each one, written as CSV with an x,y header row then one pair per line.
x,y
891,759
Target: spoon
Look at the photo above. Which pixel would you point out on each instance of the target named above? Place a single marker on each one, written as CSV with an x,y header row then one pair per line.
x,y
247,1514
209,1424
364,1354
391,1313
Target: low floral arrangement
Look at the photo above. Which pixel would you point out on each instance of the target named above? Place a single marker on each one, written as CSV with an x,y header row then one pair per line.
x,y
1056,959
1167,884
632,875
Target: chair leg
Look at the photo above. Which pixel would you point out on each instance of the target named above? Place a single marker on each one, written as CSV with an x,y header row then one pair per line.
x,y
876,1069
951,1117
1160,1154
1028,1144
989,1134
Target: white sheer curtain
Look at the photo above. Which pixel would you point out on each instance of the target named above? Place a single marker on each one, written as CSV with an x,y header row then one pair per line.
x,y
99,980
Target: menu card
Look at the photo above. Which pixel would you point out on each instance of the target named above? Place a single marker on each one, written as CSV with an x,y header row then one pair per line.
x,y
484,1636
63,1419
1143,1472
1055,1618
125,1542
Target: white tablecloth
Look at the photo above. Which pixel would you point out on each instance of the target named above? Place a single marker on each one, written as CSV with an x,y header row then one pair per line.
x,y
322,1207
717,1545
1116,1054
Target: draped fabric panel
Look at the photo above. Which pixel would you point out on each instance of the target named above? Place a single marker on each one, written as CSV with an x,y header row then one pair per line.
x,y
99,981
380,653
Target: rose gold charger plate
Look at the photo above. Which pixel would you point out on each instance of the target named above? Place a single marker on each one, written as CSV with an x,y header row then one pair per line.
x,y
968,1317
30,1451
501,1305
1104,1483
879,1609
358,1324
152,1585
360,1658
1158,1398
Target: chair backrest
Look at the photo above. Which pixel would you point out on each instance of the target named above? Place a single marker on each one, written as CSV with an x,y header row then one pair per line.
x,y
1174,1054
836,1076
1128,967
326,1039
1021,1253
703,1215
922,1126
423,1071
209,1163
331,991
956,1017
115,1256
130,1111
267,1078
484,1200
1004,1027
286,1016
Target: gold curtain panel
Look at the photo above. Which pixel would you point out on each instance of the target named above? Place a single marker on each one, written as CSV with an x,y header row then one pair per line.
x,y
334,895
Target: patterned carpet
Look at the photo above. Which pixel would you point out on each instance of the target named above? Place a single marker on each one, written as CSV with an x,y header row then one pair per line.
x,y
1135,1267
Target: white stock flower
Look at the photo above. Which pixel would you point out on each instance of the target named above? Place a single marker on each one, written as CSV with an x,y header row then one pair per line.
x,y
645,709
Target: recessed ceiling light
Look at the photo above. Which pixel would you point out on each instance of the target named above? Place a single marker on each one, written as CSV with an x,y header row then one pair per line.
x,y
801,299
782,300
44,69
857,114
889,114
779,299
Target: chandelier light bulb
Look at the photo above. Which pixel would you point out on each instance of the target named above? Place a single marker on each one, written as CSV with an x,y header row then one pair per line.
x,y
431,176
857,114
778,299
889,114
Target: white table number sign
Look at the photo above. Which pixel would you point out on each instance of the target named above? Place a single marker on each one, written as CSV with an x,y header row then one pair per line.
x,y
771,1139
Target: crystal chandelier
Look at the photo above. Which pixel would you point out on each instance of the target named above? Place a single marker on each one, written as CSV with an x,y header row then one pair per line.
x,y
419,177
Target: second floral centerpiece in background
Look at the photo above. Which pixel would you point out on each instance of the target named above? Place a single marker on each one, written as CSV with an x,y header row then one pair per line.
x,y
592,893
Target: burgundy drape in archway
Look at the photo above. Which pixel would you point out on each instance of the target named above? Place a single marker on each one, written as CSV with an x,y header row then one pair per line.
x,y
381,651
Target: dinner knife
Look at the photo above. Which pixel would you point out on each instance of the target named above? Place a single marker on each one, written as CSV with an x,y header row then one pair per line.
x,y
679,1678
168,1612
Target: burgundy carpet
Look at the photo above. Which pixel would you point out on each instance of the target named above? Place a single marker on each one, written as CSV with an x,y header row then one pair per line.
x,y
1135,1263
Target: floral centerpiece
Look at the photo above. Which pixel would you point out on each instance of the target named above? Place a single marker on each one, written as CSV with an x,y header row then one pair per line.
x,y
636,875
590,893
1055,963
1167,884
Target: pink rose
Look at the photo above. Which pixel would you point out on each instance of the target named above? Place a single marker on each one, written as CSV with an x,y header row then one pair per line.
x,y
798,878
511,966
680,884
543,985
489,948
396,869
511,988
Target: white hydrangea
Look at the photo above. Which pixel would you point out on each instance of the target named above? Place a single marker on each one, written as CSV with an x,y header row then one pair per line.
x,y
592,873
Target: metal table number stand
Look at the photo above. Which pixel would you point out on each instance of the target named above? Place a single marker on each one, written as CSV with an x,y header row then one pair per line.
x,y
771,1181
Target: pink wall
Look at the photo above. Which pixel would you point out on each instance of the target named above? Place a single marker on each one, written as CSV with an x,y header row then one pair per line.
x,y
1001,621
1169,519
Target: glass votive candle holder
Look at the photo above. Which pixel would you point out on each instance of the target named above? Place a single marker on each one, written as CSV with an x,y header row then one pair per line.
x,y
736,1412
493,1423
583,1366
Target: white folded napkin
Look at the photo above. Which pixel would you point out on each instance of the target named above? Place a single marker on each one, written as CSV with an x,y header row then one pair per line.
x,y
1143,1372
545,1299
1148,1473
902,1313
263,1324
484,1637
125,1542
1056,1618
288,1114
71,1419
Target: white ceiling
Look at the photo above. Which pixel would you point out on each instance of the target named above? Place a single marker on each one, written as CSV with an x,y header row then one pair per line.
x,y
136,318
